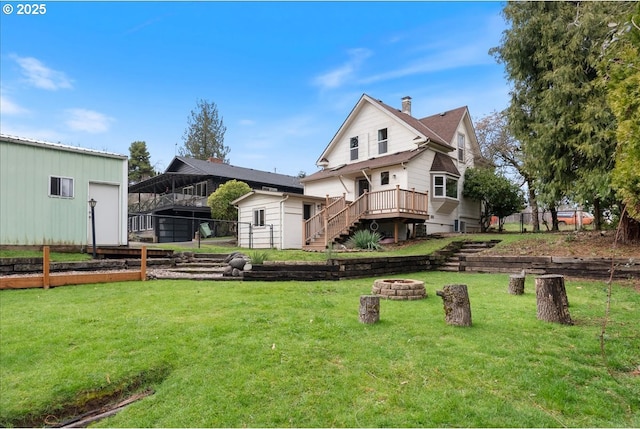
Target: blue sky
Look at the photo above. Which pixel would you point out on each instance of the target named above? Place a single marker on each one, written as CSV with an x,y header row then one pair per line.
x,y
284,75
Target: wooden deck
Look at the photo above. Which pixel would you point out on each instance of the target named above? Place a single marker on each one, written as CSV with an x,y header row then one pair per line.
x,y
340,216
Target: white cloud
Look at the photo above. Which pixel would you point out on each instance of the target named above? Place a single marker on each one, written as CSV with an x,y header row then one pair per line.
x,y
10,108
342,74
247,122
44,134
41,76
88,120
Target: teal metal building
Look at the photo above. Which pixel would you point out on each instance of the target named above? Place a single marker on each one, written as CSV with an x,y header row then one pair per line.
x,y
45,189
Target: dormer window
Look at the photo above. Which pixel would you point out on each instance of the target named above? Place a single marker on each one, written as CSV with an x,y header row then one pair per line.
x,y
461,147
354,148
382,141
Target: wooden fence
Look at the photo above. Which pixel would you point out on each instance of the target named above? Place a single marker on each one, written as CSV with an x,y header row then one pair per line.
x,y
47,279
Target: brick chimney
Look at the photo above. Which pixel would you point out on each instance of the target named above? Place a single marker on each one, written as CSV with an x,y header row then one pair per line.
x,y
214,160
406,105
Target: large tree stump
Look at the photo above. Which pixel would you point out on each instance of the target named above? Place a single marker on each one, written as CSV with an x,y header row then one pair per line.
x,y
516,284
369,309
551,297
457,307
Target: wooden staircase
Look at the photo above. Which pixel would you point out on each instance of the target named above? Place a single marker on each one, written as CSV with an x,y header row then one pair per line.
x,y
339,218
200,266
452,263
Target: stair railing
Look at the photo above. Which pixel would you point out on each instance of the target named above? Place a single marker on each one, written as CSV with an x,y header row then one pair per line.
x,y
315,226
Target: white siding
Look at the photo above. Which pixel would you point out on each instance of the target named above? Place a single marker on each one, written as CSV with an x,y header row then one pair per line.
x,y
365,126
284,213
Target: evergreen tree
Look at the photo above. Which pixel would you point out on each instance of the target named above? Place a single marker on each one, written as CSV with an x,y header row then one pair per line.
x,y
139,162
621,65
204,136
558,104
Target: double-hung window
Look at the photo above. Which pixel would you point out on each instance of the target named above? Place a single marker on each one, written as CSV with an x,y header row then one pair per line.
x,y
61,187
382,141
258,217
461,147
353,147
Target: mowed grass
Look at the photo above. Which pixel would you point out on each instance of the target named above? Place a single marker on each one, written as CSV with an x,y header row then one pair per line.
x,y
283,354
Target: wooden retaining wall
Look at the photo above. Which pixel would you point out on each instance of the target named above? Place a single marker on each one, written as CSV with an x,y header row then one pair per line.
x,y
336,269
593,268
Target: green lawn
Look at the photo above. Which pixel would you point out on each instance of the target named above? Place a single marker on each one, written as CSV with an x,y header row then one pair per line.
x,y
276,354
54,256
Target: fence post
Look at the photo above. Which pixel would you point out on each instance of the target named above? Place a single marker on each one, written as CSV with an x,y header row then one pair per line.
x,y
143,264
45,267
271,235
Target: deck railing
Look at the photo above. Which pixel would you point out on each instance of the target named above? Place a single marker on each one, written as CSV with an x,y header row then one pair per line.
x,y
167,200
338,216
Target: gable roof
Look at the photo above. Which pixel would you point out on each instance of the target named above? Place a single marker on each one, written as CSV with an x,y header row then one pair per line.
x,y
183,171
436,129
369,164
182,164
276,195
446,123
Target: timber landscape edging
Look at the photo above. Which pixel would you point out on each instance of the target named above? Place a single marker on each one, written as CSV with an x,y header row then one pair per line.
x,y
591,268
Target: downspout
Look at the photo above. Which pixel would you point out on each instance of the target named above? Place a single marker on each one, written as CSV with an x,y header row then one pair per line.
x,y
282,201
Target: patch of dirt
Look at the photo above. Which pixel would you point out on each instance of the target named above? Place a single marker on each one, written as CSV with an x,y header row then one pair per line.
x,y
588,244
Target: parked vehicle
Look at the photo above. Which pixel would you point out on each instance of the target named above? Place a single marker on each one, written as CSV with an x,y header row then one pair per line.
x,y
571,218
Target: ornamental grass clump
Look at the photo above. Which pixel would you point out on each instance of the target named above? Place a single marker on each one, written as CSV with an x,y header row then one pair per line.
x,y
258,257
365,239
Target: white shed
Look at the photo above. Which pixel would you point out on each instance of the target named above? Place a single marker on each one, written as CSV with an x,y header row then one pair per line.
x,y
269,219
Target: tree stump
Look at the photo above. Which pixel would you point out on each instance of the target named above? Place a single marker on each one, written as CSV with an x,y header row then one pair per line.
x,y
516,284
551,297
369,309
457,307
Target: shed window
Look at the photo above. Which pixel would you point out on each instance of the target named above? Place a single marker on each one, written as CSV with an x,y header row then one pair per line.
x,y
61,187
258,217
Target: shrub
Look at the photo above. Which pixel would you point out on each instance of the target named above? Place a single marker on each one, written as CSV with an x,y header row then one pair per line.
x,y
365,239
258,257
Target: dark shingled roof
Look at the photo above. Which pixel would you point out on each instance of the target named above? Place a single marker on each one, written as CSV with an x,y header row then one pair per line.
x,y
182,164
184,171
444,163
369,164
446,123
418,125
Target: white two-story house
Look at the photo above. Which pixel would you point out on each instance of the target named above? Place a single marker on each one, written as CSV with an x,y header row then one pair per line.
x,y
389,172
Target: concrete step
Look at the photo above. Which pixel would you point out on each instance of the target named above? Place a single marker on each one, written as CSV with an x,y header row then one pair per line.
x,y
197,269
212,264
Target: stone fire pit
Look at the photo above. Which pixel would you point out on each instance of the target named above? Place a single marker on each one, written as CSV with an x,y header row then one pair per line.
x,y
399,289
